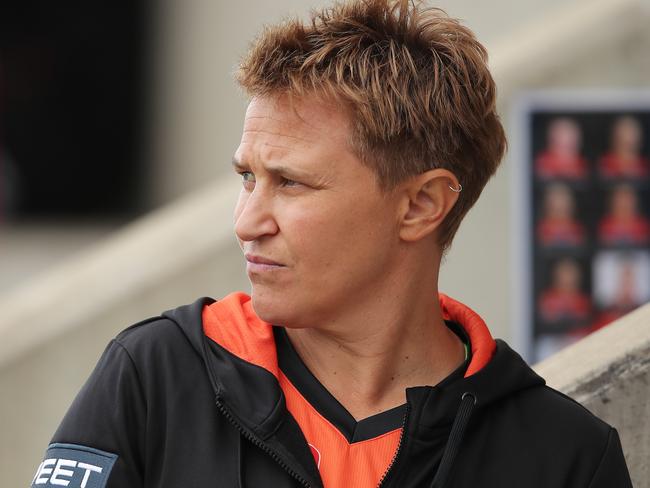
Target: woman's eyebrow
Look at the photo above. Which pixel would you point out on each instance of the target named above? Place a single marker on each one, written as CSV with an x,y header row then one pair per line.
x,y
239,165
286,171
276,169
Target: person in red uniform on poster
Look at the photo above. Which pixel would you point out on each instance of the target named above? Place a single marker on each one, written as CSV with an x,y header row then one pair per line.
x,y
561,158
622,283
370,132
624,224
624,159
625,299
564,301
558,225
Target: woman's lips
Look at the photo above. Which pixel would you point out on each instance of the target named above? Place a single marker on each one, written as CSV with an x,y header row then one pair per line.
x,y
260,264
252,258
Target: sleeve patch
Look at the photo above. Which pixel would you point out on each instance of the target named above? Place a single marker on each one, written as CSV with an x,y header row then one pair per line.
x,y
74,466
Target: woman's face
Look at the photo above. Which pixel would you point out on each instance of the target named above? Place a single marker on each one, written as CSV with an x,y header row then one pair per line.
x,y
558,202
626,135
564,137
624,202
566,276
314,226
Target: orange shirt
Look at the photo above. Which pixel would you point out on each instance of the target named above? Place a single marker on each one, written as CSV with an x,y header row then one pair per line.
x,y
550,165
560,232
557,305
347,453
612,166
341,464
616,231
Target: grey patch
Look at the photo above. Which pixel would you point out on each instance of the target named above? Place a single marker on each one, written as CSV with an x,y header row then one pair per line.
x,y
74,466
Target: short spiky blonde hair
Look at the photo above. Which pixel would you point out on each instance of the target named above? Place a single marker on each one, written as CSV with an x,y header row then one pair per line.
x,y
415,82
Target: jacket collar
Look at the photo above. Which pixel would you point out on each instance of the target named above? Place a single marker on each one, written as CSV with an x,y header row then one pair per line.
x,y
242,359
233,324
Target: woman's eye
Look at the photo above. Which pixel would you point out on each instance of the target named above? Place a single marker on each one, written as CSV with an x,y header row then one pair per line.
x,y
247,177
288,182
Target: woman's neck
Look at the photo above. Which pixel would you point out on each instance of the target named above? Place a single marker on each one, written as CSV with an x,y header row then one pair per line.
x,y
369,358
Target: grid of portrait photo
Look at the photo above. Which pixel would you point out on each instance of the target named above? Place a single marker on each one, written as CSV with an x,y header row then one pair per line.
x,y
590,215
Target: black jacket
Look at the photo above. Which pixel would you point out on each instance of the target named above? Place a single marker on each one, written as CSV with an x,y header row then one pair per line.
x,y
168,407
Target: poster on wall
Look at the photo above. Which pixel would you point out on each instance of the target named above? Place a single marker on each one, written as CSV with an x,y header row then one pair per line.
x,y
581,166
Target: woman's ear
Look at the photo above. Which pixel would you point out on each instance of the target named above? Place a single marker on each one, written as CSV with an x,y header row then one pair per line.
x,y
429,198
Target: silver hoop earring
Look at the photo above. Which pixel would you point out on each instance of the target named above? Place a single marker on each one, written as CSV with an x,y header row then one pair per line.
x,y
456,190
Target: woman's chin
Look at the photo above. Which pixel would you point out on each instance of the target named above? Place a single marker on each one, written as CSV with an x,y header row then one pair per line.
x,y
272,310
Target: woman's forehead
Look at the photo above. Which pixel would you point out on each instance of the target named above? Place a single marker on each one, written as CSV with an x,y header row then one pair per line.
x,y
309,115
276,127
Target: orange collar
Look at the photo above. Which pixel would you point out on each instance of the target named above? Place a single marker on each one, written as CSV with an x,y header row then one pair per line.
x,y
233,324
483,345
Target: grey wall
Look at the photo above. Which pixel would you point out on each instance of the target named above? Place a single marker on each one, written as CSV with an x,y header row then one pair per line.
x,y
609,373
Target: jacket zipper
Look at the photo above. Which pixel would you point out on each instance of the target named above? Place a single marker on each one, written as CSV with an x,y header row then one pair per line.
x,y
399,446
264,447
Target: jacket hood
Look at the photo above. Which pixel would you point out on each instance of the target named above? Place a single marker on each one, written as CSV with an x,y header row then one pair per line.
x,y
238,350
243,352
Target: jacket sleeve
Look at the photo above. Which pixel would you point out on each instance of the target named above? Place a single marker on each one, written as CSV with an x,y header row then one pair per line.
x,y
612,470
99,443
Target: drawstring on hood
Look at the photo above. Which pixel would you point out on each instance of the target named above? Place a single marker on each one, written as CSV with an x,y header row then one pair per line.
x,y
468,401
